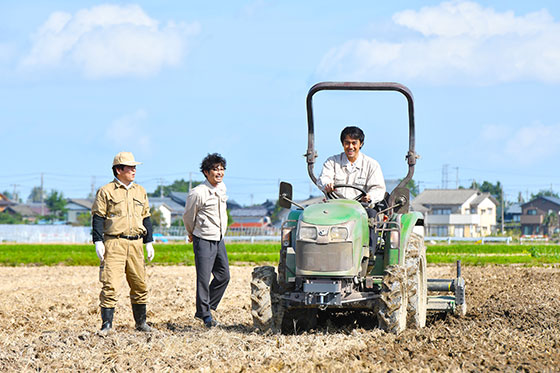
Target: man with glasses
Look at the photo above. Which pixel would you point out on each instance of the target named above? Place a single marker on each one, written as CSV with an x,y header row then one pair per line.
x,y
121,223
206,220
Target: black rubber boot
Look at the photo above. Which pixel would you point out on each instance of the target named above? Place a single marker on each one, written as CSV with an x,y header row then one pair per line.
x,y
107,320
139,311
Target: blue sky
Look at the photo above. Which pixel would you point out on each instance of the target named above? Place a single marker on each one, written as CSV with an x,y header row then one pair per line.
x,y
174,80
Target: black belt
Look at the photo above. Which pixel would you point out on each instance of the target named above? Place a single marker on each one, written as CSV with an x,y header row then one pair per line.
x,y
131,238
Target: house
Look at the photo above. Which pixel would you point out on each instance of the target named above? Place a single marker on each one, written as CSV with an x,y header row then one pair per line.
x,y
250,217
76,207
512,216
457,212
5,202
540,216
166,211
29,212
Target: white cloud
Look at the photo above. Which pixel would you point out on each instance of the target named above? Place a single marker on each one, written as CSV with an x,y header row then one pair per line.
x,y
455,42
128,132
109,40
524,146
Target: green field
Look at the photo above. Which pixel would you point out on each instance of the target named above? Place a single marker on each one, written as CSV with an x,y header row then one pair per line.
x,y
259,253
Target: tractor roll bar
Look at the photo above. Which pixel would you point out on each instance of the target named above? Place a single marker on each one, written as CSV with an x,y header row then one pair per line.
x,y
311,154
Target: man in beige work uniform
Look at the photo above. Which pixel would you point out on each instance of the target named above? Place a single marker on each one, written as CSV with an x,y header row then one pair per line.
x,y
121,223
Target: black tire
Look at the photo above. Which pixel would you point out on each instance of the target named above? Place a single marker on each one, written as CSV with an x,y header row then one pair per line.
x,y
417,282
263,284
391,314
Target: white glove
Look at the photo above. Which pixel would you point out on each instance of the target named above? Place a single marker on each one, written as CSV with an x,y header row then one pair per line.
x,y
150,251
99,249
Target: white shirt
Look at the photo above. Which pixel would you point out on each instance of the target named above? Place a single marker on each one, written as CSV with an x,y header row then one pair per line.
x,y
205,213
365,173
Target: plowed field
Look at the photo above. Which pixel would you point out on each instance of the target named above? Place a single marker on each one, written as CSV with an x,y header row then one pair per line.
x,y
49,317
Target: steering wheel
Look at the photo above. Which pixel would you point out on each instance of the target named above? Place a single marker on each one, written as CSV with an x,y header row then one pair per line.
x,y
335,195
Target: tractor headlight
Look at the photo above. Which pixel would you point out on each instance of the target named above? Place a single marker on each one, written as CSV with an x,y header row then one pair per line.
x,y
307,233
338,234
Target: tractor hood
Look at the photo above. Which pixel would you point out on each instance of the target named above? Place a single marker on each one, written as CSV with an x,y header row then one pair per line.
x,y
334,212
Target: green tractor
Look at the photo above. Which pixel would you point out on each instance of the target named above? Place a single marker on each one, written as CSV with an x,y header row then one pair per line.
x,y
328,262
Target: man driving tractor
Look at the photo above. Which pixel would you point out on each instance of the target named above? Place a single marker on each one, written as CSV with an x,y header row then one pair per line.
x,y
354,168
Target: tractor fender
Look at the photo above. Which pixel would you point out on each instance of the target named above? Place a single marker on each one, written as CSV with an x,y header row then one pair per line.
x,y
410,222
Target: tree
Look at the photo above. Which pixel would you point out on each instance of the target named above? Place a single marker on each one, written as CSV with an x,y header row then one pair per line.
x,y
35,195
7,218
544,193
158,220
56,204
177,186
413,187
84,219
551,222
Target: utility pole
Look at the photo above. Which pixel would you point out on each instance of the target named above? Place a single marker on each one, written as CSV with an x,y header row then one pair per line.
x,y
42,197
14,194
161,188
503,230
456,177
190,181
93,187
444,176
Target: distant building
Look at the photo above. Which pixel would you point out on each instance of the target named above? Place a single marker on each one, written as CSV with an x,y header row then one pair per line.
x,y
534,217
29,212
457,212
166,211
5,202
250,217
512,216
76,207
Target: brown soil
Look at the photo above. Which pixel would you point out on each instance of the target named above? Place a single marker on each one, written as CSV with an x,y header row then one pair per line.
x,y
49,318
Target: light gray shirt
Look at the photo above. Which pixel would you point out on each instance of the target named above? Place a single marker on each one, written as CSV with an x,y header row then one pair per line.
x,y
364,173
205,213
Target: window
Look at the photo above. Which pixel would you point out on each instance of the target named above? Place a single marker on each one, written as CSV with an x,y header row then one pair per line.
x,y
532,212
490,211
441,211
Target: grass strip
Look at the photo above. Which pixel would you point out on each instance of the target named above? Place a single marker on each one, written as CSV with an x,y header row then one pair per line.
x,y
260,253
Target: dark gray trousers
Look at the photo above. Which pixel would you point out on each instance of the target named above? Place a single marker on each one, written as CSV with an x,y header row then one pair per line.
x,y
210,257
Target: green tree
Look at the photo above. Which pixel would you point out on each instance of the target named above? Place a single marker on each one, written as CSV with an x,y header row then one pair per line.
x,y
544,193
158,220
413,187
7,218
35,195
551,222
56,204
177,186
83,219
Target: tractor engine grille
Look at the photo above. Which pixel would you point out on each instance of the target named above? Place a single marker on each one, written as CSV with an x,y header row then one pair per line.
x,y
331,257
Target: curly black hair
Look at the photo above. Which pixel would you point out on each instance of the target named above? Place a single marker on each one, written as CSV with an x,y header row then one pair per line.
x,y
211,160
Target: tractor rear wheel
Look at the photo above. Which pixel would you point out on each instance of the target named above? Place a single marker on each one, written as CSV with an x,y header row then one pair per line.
x,y
417,282
263,300
391,314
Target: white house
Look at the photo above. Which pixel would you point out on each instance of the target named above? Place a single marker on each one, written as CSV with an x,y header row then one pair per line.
x,y
457,212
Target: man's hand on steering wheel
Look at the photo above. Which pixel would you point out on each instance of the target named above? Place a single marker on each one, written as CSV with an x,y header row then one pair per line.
x,y
332,194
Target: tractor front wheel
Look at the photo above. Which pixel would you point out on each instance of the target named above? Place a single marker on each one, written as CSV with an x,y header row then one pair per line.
x,y
263,284
391,314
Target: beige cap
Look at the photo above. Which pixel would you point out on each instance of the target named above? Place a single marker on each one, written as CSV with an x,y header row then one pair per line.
x,y
125,158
